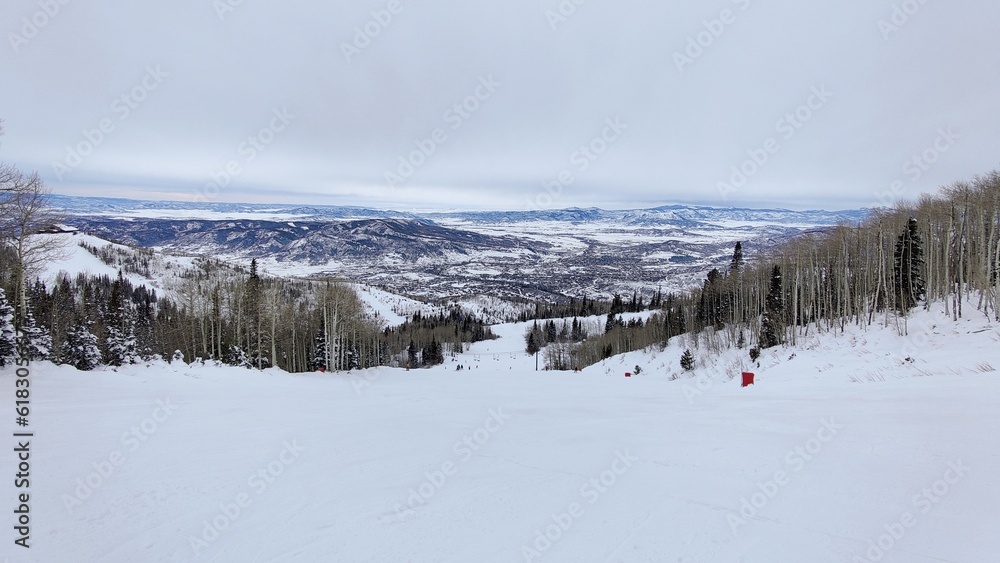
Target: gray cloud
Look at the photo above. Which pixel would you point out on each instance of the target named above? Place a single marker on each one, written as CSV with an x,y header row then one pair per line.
x,y
355,116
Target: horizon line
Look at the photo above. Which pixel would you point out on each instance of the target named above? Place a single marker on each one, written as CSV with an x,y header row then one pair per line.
x,y
445,210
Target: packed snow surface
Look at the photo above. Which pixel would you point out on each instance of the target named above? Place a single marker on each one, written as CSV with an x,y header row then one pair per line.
x,y
862,447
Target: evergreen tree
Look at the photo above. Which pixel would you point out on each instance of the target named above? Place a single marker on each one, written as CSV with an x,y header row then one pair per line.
x,y
144,311
120,324
717,299
687,360
564,332
551,335
617,305
657,301
80,348
772,326
253,301
674,321
769,331
610,324
63,311
238,357
737,263
433,353
121,347
36,342
532,345
8,342
908,267
319,352
352,358
775,298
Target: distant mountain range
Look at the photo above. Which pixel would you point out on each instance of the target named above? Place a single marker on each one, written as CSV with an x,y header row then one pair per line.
x,y
537,254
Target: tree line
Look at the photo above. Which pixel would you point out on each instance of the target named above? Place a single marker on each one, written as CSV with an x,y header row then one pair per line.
x,y
587,307
942,249
221,313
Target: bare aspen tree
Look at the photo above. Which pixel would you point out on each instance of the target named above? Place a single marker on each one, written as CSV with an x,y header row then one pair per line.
x,y
26,215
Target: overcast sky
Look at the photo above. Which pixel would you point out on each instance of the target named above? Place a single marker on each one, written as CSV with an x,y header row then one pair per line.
x,y
822,104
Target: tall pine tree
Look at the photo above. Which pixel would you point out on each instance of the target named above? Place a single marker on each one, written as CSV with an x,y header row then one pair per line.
x,y
432,354
120,323
908,268
737,264
253,316
319,352
771,326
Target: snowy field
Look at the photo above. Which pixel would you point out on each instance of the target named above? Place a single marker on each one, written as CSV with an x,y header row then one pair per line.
x,y
846,452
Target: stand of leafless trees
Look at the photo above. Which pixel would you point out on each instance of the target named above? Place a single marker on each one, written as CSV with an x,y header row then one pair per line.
x,y
942,250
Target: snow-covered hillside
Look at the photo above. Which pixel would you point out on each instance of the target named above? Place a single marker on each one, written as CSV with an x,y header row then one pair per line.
x,y
73,259
163,271
862,447
168,273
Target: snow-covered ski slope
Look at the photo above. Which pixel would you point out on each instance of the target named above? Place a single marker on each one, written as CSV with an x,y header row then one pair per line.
x,y
846,452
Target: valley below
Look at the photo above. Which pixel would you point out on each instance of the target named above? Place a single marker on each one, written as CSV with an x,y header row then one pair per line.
x,y
533,255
